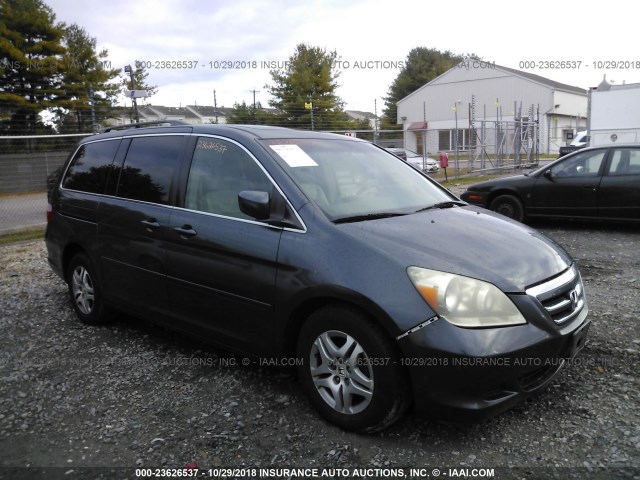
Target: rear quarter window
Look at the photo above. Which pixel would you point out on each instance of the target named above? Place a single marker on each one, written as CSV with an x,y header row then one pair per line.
x,y
90,167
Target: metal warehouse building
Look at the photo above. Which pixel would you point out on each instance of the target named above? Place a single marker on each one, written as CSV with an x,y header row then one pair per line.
x,y
476,93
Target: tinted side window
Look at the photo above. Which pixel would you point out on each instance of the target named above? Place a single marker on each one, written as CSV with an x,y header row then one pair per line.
x,y
150,167
625,161
89,169
219,171
585,164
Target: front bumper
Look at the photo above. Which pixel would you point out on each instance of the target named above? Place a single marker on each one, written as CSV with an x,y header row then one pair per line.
x,y
475,198
463,374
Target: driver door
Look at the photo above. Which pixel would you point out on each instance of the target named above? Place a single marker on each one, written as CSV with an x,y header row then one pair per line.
x,y
570,187
221,264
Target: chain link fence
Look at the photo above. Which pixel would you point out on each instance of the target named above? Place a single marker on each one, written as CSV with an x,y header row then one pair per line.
x,y
383,138
27,164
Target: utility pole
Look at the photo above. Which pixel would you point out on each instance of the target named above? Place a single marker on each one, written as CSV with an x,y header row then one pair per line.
x,y
130,71
471,141
375,120
254,104
310,107
94,126
424,136
498,134
215,105
456,139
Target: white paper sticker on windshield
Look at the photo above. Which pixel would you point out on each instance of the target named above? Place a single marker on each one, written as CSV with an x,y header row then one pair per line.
x,y
294,155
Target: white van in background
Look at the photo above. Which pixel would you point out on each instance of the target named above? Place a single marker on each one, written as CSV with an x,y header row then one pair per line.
x,y
580,141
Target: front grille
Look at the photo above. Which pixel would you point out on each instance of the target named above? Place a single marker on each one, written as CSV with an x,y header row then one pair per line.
x,y
534,379
528,382
566,305
562,296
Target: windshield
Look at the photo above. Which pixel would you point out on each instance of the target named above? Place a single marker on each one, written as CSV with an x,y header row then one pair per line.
x,y
347,178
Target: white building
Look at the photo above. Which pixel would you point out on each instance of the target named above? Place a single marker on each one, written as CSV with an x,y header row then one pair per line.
x,y
360,115
499,93
614,113
193,114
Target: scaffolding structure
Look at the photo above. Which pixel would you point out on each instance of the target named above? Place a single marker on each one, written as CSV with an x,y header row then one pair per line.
x,y
503,144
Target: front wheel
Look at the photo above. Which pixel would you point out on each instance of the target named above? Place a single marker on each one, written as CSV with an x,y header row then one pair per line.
x,y
509,206
85,291
350,370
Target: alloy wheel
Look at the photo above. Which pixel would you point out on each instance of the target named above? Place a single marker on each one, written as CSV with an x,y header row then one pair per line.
x,y
83,293
341,372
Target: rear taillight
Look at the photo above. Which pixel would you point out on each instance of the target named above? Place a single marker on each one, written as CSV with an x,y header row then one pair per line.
x,y
49,212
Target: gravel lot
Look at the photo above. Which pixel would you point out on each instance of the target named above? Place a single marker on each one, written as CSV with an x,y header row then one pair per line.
x,y
132,395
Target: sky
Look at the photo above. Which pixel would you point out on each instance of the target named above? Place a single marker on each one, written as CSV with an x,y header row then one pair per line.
x,y
371,37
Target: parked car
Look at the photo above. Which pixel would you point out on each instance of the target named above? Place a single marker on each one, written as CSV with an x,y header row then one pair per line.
x,y
415,159
592,183
384,288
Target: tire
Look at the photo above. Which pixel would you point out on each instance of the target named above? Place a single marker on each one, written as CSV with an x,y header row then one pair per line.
x,y
350,370
85,291
509,206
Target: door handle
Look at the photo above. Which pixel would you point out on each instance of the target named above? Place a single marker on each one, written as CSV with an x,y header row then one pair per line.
x,y
186,231
151,224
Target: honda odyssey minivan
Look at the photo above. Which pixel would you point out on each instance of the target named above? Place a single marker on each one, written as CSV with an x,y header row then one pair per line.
x,y
280,243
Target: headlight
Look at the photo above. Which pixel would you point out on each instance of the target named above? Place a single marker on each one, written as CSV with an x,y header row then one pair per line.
x,y
464,301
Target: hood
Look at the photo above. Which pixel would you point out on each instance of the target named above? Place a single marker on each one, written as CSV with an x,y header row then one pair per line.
x,y
512,181
466,241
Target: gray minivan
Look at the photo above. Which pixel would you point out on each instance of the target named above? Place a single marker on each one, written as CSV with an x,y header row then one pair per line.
x,y
388,290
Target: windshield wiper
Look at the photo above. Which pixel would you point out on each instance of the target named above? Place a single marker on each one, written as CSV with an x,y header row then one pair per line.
x,y
447,204
369,216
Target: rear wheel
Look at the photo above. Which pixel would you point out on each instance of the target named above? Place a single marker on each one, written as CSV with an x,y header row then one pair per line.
x,y
85,291
509,206
350,370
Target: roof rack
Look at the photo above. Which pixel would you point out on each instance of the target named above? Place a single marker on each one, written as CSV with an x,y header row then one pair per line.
x,y
159,123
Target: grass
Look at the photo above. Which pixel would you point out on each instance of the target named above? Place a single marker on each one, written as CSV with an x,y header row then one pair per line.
x,y
464,181
22,236
466,178
20,194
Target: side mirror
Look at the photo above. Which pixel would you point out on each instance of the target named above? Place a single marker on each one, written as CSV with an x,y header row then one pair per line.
x,y
267,207
255,204
548,175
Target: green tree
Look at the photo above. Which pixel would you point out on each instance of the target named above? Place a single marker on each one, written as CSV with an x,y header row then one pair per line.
x,y
86,73
422,65
247,115
30,48
309,77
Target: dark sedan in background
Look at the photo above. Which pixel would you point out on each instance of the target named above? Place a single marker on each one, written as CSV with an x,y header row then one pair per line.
x,y
593,183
